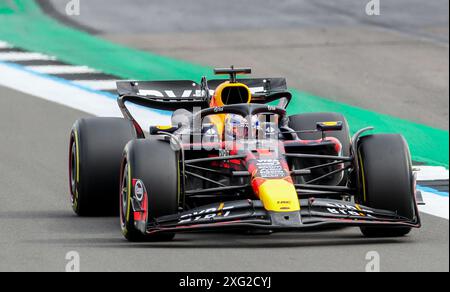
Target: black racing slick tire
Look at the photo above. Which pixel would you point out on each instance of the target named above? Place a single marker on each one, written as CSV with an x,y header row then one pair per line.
x,y
95,153
155,165
387,180
307,122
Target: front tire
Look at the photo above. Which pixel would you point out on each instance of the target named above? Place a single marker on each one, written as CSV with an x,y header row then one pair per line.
x,y
156,165
387,180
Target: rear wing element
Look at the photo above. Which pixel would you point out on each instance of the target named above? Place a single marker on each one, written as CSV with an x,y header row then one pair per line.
x,y
191,90
185,94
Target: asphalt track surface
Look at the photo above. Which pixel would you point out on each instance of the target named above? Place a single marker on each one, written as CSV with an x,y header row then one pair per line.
x,y
38,228
396,63
322,53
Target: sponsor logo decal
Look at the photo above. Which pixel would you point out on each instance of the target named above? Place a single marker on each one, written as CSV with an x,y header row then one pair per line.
x,y
218,109
344,209
206,214
139,190
270,168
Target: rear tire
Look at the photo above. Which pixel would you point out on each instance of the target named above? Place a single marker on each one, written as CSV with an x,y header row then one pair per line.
x,y
308,121
156,165
387,180
95,152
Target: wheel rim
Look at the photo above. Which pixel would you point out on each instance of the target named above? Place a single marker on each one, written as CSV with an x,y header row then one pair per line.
x,y
73,171
124,196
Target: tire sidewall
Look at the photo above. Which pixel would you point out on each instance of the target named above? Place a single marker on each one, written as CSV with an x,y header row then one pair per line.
x,y
141,158
396,192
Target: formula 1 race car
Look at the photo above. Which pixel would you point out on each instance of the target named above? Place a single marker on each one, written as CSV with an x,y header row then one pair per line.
x,y
233,160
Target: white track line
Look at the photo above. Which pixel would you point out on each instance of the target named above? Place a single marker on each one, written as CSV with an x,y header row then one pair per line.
x,y
98,84
435,205
62,69
19,56
4,45
427,173
73,96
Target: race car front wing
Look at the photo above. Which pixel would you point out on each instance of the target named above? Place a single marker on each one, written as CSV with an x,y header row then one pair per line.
x,y
251,215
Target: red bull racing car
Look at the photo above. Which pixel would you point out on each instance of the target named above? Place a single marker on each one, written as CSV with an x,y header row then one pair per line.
x,y
234,160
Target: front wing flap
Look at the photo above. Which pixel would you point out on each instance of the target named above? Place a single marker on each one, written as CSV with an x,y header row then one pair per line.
x,y
251,215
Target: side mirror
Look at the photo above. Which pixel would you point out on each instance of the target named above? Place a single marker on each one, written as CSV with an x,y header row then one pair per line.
x,y
330,126
155,130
